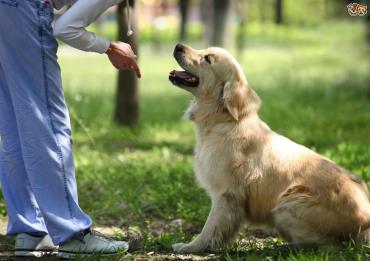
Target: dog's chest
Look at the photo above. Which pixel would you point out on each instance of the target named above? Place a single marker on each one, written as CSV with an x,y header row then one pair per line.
x,y
211,164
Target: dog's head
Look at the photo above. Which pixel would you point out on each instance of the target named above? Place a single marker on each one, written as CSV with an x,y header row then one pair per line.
x,y
215,78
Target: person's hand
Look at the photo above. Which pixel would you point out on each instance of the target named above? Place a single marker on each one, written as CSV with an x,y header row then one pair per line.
x,y
122,57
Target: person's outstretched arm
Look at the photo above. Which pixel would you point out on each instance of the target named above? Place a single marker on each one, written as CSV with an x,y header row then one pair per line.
x,y
70,28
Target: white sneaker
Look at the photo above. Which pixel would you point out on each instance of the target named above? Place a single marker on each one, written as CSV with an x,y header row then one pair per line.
x,y
92,243
31,246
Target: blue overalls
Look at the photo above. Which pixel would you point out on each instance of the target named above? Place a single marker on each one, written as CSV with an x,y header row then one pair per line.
x,y
36,156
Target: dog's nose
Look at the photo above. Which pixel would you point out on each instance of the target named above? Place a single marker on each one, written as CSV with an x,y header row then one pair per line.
x,y
179,48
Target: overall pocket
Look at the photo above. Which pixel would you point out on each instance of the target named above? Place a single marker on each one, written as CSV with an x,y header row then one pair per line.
x,y
13,3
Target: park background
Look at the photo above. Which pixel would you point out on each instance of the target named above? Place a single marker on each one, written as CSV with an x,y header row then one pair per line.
x,y
309,62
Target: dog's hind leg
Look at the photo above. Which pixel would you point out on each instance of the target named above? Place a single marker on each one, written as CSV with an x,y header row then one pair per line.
x,y
222,225
290,216
302,217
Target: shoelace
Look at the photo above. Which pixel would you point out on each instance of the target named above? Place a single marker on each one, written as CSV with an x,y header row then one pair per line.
x,y
93,233
101,235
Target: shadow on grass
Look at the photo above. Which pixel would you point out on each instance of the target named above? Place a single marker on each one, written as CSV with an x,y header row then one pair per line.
x,y
115,146
274,252
278,252
6,243
301,252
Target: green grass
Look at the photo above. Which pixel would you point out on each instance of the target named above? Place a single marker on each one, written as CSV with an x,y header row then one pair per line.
x,y
314,84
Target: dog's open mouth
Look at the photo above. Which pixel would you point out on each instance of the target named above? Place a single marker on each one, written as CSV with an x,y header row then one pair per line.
x,y
183,79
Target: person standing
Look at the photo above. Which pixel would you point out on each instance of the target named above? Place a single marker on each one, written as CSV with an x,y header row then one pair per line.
x,y
37,171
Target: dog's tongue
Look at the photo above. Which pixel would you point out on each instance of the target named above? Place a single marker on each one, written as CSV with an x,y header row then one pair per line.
x,y
183,78
181,74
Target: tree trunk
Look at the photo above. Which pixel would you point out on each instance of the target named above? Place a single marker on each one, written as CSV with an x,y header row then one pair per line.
x,y
127,101
262,8
184,10
242,9
206,13
368,39
279,11
368,28
221,11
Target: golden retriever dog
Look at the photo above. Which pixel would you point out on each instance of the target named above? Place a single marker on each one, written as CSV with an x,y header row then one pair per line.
x,y
255,175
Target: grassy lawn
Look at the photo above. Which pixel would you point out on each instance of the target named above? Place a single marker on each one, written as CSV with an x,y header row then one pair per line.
x,y
139,182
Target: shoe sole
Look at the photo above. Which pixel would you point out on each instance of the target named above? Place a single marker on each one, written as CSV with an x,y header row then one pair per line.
x,y
69,255
28,253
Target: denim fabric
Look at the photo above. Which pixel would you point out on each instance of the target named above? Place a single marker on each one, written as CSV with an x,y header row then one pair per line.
x,y
9,2
36,155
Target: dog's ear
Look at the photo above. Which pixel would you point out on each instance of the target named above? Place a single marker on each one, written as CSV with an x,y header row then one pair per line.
x,y
239,99
234,97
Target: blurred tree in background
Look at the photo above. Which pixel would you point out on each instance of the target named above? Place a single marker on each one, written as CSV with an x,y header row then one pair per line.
x,y
219,29
242,14
215,18
184,11
127,101
368,27
279,12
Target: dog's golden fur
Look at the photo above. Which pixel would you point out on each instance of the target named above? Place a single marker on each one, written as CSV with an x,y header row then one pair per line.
x,y
255,175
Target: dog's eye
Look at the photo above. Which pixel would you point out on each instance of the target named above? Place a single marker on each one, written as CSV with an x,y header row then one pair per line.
x,y
207,58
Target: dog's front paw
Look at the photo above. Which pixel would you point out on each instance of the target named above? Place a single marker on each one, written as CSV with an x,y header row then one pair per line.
x,y
182,248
